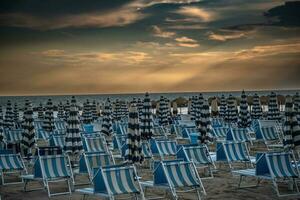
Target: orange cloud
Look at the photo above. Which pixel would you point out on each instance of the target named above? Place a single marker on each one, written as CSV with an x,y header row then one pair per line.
x,y
199,13
158,32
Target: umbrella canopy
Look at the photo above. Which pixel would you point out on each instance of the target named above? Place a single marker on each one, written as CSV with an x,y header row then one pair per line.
x,y
67,110
28,140
107,119
231,110
297,106
146,119
140,106
41,112
73,143
48,124
175,108
291,126
168,110
256,112
205,123
86,113
133,152
1,126
16,115
9,122
94,111
60,113
244,115
124,109
162,112
223,107
273,110
118,112
198,109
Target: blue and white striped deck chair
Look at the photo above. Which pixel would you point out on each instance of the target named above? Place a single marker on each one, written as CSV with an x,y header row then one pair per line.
x,y
119,141
14,136
176,129
198,154
90,160
216,122
220,133
234,152
159,132
188,130
57,140
94,144
270,137
11,164
239,135
177,177
38,125
55,169
112,181
42,134
163,148
59,125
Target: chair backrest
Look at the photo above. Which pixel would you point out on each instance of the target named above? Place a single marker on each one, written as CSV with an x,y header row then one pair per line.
x,y
176,174
216,122
159,131
60,125
54,166
38,124
115,180
236,151
146,151
280,165
238,135
93,144
90,160
57,140
119,141
14,136
42,134
11,162
220,132
188,130
165,147
269,133
196,154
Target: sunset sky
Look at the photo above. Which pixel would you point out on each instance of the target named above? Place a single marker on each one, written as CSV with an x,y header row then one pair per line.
x,y
121,46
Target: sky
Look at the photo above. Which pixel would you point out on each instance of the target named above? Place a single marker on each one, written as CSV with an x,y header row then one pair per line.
x,y
130,46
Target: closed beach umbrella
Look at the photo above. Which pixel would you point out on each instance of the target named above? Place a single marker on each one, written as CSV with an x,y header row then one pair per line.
x,y
118,112
168,110
291,127
86,113
162,112
48,124
107,119
67,110
297,106
256,112
244,115
41,112
194,101
273,109
124,109
60,113
146,119
1,127
133,152
28,136
198,109
9,122
94,111
16,115
214,107
223,107
205,123
140,106
73,144
231,110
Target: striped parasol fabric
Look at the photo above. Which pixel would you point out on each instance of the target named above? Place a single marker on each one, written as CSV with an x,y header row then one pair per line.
x,y
297,106
204,123
273,109
94,111
146,119
40,112
231,110
1,127
140,106
124,109
73,144
117,112
60,113
133,153
168,110
222,107
162,112
16,115
48,123
198,109
28,136
256,111
291,128
194,101
9,121
67,110
107,119
244,115
86,113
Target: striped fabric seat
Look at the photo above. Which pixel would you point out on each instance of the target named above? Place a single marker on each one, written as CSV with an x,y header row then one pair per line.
x,y
10,162
166,148
216,122
119,141
280,165
159,131
187,131
269,133
220,132
146,150
236,151
239,135
14,136
197,154
41,134
93,144
38,125
57,140
54,167
60,125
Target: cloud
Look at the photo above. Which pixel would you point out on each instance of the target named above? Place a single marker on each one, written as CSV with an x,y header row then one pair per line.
x,y
190,45
158,32
228,35
185,39
186,42
198,13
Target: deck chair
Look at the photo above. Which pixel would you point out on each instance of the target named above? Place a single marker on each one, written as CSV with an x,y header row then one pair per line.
x,y
94,144
234,153
163,148
270,137
159,132
14,136
188,130
42,134
197,154
112,181
11,164
59,125
57,140
220,133
239,135
176,176
38,124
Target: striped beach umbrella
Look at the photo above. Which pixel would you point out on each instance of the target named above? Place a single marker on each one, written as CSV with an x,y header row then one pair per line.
x,y
231,110
28,136
244,115
146,119
168,110
94,111
223,107
204,123
297,106
60,113
67,110
1,127
194,101
133,152
16,115
256,111
106,128
140,106
273,109
73,144
162,112
40,112
86,113
291,128
118,110
124,109
9,121
48,123
198,109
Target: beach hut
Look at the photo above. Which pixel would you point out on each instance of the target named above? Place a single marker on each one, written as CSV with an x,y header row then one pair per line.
x,y
273,109
73,143
48,123
146,119
40,112
244,115
28,136
16,115
8,121
204,123
60,113
223,107
133,153
106,128
256,111
291,127
231,110
67,110
297,106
